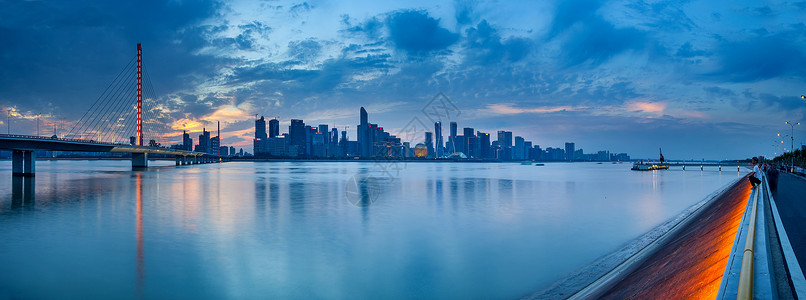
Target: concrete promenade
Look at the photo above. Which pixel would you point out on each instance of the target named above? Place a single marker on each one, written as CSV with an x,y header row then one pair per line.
x,y
791,200
688,262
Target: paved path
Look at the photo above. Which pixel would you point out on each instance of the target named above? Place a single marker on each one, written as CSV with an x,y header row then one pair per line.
x,y
791,201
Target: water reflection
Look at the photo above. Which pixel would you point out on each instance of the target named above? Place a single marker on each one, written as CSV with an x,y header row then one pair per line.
x,y
22,191
284,230
141,268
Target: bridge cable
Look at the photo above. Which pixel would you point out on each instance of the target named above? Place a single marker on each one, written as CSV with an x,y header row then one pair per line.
x,y
96,122
154,119
111,103
100,96
90,112
121,110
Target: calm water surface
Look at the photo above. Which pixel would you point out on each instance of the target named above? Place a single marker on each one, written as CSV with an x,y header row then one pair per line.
x,y
291,230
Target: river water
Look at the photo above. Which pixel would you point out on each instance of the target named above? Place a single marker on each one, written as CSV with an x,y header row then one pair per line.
x,y
357,230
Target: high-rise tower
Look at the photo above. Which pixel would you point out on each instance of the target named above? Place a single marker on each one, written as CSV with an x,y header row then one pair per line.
x,y
438,145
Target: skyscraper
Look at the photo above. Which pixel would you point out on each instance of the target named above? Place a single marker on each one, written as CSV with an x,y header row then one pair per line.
x,y
204,141
452,138
468,144
505,144
296,135
364,137
438,133
429,144
260,128
323,129
187,142
520,148
484,144
215,144
569,151
274,128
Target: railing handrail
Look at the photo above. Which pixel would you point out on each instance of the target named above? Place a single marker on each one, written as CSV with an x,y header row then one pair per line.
x,y
745,290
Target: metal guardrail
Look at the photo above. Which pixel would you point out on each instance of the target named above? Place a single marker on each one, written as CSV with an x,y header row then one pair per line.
x,y
745,290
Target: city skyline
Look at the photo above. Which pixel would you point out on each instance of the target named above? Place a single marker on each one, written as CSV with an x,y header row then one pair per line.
x,y
700,80
309,141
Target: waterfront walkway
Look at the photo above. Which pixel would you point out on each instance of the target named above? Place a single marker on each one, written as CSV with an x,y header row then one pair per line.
x,y
791,200
687,262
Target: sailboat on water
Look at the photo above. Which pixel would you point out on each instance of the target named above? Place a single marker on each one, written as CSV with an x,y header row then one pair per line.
x,y
651,166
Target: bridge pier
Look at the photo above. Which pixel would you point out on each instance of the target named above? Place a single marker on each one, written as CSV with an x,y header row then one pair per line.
x,y
139,160
23,163
178,160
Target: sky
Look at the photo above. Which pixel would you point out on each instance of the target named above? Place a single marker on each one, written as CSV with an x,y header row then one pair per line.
x,y
700,79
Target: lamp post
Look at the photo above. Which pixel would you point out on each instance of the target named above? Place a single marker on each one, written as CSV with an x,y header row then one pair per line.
x,y
37,124
792,144
8,121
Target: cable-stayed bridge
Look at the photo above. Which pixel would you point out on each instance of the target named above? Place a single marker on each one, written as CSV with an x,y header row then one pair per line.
x,y
122,117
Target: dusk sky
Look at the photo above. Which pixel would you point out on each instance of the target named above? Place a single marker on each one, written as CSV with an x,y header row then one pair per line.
x,y
701,79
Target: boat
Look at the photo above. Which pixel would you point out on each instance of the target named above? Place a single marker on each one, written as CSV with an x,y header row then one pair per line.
x,y
640,166
538,165
648,167
526,163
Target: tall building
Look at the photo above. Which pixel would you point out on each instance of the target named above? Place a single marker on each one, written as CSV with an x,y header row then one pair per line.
x,y
296,136
204,142
259,144
468,141
429,144
232,151
452,138
438,133
274,128
187,142
505,144
260,128
215,144
364,136
484,144
310,131
343,144
520,149
569,151
325,132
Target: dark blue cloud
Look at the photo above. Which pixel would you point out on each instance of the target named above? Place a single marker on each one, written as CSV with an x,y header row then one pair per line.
x,y
371,28
688,51
588,37
464,12
715,91
417,33
663,15
485,46
76,49
758,59
570,12
597,41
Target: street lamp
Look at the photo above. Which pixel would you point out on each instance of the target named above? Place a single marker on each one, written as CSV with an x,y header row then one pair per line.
x,y
792,145
8,121
37,124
